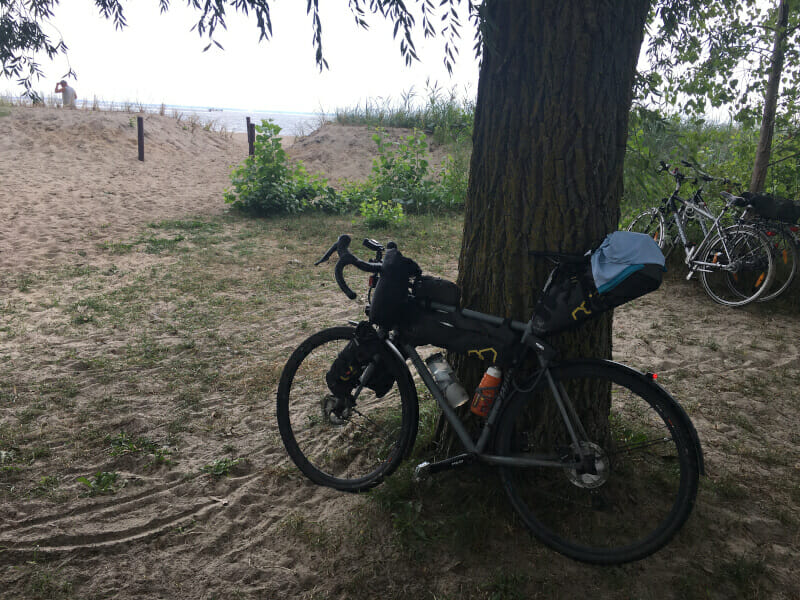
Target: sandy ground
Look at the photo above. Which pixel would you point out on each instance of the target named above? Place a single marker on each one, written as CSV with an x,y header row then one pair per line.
x,y
69,179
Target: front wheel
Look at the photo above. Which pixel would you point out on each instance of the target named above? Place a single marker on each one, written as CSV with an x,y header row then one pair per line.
x,y
637,482
338,440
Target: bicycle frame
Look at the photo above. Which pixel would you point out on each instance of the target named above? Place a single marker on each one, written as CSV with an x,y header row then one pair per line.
x,y
479,449
693,207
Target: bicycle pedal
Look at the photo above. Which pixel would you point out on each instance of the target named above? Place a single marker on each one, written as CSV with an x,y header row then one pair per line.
x,y
422,471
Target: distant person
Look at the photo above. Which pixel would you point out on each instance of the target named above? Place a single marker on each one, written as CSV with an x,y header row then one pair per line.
x,y
68,95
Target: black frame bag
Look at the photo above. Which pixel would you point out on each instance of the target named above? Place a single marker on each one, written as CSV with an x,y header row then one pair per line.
x,y
453,331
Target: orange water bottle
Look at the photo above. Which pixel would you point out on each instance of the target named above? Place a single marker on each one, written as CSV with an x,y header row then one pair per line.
x,y
486,392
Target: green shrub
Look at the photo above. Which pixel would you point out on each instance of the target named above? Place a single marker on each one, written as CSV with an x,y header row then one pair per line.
x,y
452,189
266,184
380,214
400,175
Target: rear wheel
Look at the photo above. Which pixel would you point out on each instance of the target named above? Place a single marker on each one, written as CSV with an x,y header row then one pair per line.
x,y
784,260
336,440
637,483
736,268
652,223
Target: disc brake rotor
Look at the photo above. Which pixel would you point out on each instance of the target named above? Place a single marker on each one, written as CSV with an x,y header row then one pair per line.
x,y
602,467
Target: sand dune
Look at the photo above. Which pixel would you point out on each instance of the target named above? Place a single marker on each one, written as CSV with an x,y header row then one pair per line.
x,y
71,178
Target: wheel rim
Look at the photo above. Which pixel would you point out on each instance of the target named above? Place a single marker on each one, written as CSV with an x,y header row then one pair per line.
x,y
650,223
784,261
335,441
638,496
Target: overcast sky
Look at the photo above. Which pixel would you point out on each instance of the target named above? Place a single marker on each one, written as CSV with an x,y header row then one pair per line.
x,y
158,59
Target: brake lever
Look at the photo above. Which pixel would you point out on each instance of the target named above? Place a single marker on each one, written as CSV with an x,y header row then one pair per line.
x,y
328,254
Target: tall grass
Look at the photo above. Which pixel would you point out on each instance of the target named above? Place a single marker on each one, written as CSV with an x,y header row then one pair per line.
x,y
722,149
444,115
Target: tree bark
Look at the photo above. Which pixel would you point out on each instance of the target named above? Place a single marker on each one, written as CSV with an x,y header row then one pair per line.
x,y
554,93
764,150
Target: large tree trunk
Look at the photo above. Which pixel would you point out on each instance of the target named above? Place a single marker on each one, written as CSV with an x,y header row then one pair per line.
x,y
551,118
764,150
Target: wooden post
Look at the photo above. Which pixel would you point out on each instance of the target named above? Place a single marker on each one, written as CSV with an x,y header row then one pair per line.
x,y
251,138
140,131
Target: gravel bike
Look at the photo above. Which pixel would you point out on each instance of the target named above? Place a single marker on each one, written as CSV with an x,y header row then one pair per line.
x,y
735,263
607,488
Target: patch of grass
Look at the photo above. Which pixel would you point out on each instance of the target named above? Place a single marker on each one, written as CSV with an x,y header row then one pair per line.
x,y
117,248
745,573
220,467
187,225
47,584
45,487
103,482
506,586
122,444
310,532
727,487
25,281
156,245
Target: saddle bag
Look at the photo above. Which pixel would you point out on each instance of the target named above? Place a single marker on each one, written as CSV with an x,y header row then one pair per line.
x,y
773,207
627,265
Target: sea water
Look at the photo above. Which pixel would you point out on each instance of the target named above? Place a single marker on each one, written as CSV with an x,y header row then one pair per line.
x,y
235,119
229,119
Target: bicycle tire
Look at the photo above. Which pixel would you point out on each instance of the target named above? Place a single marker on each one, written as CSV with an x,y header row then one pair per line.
x,y
646,466
351,450
745,266
652,223
784,259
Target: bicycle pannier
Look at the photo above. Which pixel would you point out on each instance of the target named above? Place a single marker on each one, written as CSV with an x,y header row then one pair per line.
x,y
625,266
345,372
773,207
453,331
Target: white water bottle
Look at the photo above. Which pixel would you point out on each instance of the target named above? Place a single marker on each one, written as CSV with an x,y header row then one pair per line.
x,y
444,377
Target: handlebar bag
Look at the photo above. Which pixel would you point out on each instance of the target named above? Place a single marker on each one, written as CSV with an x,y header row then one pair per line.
x,y
389,305
625,266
